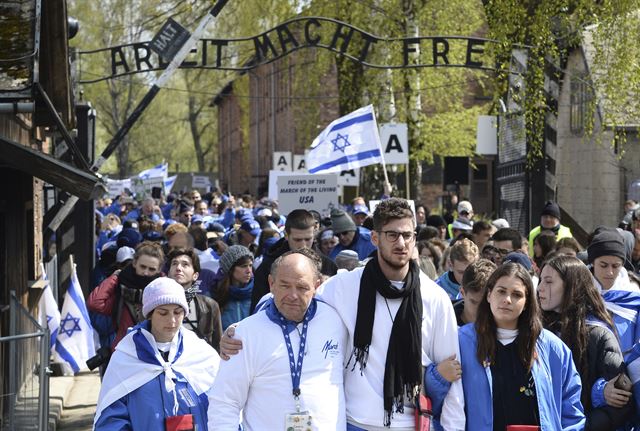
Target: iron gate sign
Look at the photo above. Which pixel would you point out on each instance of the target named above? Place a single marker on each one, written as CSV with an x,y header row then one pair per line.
x,y
290,36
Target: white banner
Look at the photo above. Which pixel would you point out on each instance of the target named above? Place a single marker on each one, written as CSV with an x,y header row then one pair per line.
x,y
117,187
142,187
273,182
200,182
311,192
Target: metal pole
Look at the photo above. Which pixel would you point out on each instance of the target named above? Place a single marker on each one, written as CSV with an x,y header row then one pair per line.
x,y
44,380
406,175
12,359
139,109
229,149
273,109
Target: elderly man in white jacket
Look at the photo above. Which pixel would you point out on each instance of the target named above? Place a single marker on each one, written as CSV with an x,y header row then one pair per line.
x,y
290,371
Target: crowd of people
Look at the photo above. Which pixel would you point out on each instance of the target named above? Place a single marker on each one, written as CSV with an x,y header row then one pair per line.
x,y
221,313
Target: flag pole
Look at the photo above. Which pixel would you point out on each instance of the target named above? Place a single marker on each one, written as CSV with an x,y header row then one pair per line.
x,y
387,184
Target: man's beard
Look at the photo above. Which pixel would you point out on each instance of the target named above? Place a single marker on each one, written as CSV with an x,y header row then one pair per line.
x,y
392,264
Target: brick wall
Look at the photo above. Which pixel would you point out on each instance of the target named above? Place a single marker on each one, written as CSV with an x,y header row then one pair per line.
x,y
284,114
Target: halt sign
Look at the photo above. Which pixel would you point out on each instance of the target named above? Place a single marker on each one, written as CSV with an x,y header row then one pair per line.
x,y
395,144
310,192
168,41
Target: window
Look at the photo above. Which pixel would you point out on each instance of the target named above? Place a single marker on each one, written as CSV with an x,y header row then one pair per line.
x,y
579,99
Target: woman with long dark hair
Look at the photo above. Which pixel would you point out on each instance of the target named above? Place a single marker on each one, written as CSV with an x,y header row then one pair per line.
x,y
515,374
233,291
575,311
543,244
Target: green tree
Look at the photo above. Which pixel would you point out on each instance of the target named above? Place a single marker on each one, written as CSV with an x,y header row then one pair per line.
x,y
551,29
164,132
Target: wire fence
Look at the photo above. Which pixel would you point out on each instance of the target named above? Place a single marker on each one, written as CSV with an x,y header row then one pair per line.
x,y
24,356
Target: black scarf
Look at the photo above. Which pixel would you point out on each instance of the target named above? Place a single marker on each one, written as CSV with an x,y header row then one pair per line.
x,y
130,279
403,367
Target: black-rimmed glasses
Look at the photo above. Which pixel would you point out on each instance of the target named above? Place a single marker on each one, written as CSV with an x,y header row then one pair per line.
x,y
392,235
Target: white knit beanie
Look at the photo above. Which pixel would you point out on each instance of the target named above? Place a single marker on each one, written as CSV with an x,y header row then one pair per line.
x,y
163,291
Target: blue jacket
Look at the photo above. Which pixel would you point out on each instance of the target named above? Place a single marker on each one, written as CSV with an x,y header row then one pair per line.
x,y
227,218
448,284
114,208
361,244
436,388
554,373
147,407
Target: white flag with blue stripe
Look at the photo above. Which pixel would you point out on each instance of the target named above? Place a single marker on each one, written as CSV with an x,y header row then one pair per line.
x,y
169,183
49,313
75,343
349,142
162,170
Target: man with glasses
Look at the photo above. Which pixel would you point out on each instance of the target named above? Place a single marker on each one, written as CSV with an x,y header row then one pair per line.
x,y
505,241
350,236
381,305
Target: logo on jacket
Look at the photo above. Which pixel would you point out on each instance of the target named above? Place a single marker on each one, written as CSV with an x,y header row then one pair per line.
x,y
330,348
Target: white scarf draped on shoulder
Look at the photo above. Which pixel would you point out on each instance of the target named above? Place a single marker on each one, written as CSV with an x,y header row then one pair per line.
x,y
137,361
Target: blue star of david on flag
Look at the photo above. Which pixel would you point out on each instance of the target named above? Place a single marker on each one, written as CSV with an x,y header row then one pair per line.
x,y
349,142
73,325
337,146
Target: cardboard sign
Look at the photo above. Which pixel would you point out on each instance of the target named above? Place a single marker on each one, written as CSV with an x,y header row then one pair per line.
x,y
200,182
282,161
117,187
395,143
311,192
142,187
273,182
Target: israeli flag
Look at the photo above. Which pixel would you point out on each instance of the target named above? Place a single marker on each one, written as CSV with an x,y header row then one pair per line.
x,y
169,183
162,170
349,142
48,312
75,343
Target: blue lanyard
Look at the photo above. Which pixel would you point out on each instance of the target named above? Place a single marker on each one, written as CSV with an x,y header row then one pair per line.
x,y
296,368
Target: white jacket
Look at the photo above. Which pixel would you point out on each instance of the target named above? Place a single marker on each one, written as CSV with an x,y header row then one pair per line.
x,y
257,381
364,391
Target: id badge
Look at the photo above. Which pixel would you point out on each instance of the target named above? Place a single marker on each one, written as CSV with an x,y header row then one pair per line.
x,y
179,423
300,421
